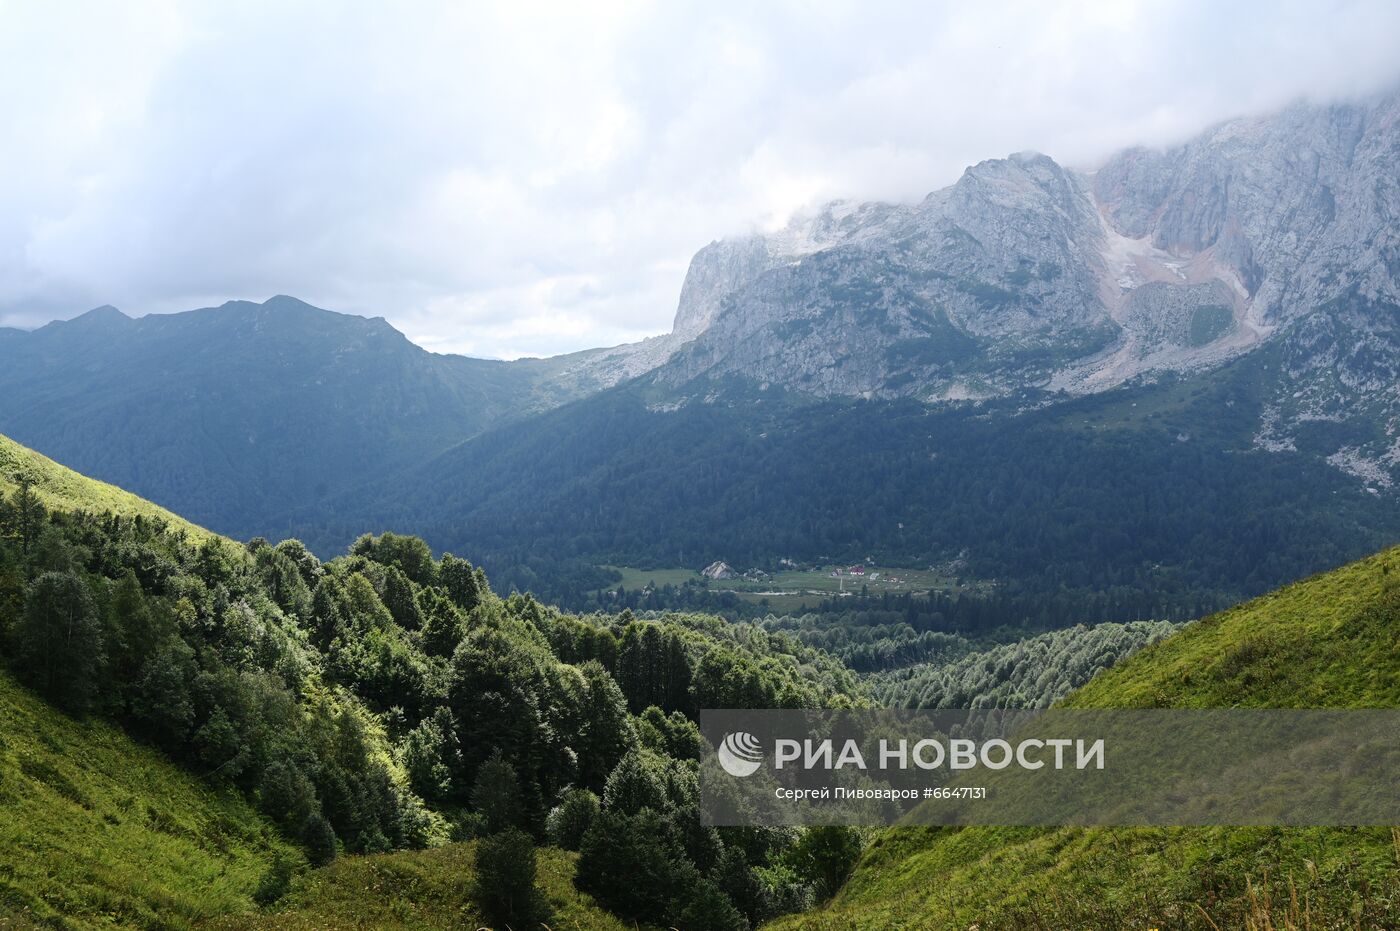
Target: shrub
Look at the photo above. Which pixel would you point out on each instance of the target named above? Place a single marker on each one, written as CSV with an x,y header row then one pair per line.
x,y
571,818
275,882
505,879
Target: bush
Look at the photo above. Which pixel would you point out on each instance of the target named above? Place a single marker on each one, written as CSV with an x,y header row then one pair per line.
x,y
709,909
319,838
467,825
505,879
275,882
825,856
571,818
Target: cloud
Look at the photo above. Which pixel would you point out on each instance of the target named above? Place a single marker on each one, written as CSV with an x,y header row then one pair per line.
x,y
528,178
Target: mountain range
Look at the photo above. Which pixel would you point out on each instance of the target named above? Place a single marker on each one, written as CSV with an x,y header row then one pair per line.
x,y
1176,373
234,414
1024,274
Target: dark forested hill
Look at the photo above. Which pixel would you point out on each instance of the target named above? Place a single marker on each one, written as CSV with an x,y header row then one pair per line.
x,y
233,414
1155,500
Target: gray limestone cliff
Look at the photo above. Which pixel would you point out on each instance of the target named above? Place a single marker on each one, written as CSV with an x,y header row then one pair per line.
x,y
1282,230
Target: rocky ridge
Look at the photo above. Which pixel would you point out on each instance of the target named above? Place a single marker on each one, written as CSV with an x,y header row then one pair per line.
x,y
1024,275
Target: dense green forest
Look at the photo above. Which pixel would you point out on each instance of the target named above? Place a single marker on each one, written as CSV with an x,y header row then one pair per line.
x,y
1144,502
388,699
872,633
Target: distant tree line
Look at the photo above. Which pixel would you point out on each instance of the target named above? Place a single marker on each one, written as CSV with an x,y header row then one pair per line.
x,y
1031,673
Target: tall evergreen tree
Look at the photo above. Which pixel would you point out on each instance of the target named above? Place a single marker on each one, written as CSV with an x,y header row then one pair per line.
x,y
608,734
505,880
29,515
496,794
58,641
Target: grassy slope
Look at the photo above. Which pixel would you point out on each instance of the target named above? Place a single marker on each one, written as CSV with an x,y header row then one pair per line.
x,y
426,889
1329,641
107,833
62,489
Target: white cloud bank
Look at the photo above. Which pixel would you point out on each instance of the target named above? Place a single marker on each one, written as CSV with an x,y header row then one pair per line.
x,y
524,179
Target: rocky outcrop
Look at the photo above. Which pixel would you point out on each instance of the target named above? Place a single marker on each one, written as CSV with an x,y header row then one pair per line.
x,y
980,288
1301,210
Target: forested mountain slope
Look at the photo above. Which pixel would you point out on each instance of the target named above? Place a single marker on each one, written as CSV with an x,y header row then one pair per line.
x,y
1328,641
1145,502
1032,673
232,415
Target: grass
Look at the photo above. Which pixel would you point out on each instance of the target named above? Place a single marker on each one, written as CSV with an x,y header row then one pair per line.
x,y
427,889
1329,641
1178,878
97,831
794,589
62,489
638,579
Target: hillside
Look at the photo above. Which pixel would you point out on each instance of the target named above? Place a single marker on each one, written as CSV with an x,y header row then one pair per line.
x,y
386,700
1328,641
107,833
233,414
62,489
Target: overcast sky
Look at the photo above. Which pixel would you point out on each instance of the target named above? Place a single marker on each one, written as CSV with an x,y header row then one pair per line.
x,y
522,179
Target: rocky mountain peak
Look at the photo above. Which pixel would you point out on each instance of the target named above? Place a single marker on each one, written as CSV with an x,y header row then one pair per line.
x,y
1024,274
